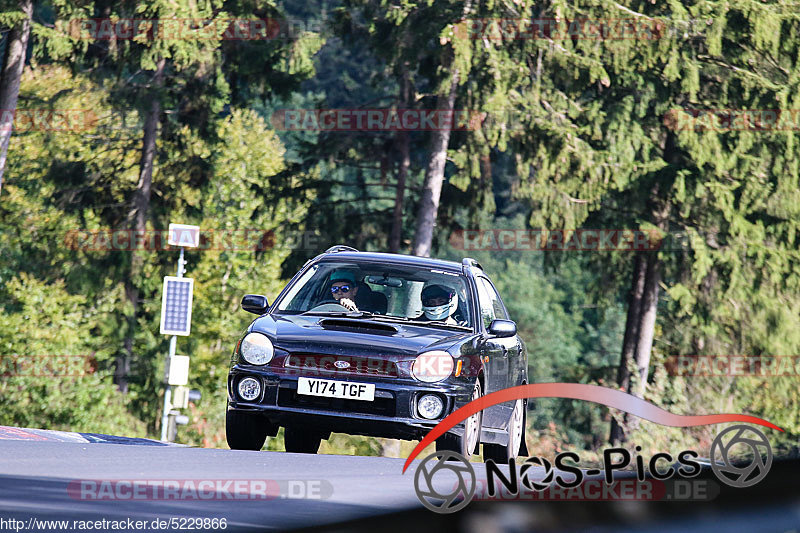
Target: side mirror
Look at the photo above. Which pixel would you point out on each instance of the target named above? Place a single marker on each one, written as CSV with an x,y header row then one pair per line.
x,y
503,328
255,303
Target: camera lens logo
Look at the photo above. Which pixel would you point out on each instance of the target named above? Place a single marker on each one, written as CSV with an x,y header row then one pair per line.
x,y
741,475
444,463
546,477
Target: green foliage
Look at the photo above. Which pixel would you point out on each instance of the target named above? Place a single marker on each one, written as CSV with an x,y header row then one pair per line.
x,y
571,133
215,169
74,400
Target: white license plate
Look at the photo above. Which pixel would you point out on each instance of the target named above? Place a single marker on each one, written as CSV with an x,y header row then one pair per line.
x,y
336,389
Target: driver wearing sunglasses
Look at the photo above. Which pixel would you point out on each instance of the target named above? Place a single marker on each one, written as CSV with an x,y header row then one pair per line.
x,y
344,289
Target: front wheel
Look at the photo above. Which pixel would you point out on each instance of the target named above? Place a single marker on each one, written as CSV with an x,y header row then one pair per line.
x,y
299,440
516,435
466,444
245,431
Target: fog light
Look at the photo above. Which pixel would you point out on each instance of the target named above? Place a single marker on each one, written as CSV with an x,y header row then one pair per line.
x,y
430,406
249,389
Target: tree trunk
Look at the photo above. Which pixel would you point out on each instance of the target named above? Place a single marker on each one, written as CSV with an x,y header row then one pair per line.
x,y
641,321
631,336
486,170
434,177
399,198
434,173
638,345
647,323
403,147
138,214
13,65
659,215
647,319
643,306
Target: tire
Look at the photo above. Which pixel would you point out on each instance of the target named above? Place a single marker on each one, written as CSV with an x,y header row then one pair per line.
x,y
516,436
245,431
468,443
299,440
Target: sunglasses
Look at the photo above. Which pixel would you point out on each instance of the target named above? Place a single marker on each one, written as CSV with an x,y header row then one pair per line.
x,y
343,288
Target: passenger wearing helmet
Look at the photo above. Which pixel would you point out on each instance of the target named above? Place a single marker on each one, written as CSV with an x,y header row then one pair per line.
x,y
438,304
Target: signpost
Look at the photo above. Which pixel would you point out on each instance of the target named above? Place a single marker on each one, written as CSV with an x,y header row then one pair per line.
x,y
176,318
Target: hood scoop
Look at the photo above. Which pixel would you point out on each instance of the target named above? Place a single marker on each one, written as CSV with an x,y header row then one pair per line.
x,y
359,325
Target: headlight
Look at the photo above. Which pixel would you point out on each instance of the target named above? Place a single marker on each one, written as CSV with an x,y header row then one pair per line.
x,y
430,406
256,349
432,366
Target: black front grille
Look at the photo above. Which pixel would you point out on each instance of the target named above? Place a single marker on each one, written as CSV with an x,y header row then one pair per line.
x,y
379,406
371,366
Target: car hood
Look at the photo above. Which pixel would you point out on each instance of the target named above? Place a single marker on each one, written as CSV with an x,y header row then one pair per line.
x,y
346,336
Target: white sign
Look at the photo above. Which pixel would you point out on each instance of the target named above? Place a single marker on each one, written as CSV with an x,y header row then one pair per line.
x,y
184,235
178,370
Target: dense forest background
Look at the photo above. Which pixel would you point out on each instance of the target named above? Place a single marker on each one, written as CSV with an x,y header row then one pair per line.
x,y
573,131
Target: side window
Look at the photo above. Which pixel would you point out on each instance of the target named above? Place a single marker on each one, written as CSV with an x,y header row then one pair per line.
x,y
485,301
300,295
497,304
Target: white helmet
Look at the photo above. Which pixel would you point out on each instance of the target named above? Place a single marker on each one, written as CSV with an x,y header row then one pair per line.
x,y
433,294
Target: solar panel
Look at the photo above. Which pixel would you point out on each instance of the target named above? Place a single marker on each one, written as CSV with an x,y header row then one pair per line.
x,y
176,306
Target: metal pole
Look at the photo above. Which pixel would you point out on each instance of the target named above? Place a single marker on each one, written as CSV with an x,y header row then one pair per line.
x,y
168,392
172,343
181,262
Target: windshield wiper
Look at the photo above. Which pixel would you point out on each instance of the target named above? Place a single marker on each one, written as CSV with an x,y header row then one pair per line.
x,y
386,318
390,317
348,314
444,325
406,320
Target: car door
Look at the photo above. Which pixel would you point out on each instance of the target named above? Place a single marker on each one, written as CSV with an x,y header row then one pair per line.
x,y
495,361
505,350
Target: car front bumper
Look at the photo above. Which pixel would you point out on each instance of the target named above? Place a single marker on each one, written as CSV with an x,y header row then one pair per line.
x,y
392,414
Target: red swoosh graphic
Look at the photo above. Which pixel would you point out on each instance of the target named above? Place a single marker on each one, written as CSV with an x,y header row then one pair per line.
x,y
578,391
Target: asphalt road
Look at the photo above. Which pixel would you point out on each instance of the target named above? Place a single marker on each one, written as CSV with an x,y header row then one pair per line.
x,y
87,477
47,475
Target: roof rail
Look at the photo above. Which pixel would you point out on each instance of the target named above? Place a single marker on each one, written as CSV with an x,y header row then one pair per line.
x,y
340,248
470,262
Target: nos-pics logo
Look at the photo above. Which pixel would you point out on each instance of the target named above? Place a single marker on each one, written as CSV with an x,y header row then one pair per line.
x,y
445,482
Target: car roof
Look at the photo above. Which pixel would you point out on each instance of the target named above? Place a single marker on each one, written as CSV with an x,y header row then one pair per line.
x,y
377,257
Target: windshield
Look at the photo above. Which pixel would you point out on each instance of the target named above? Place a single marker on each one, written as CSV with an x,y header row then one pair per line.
x,y
394,292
